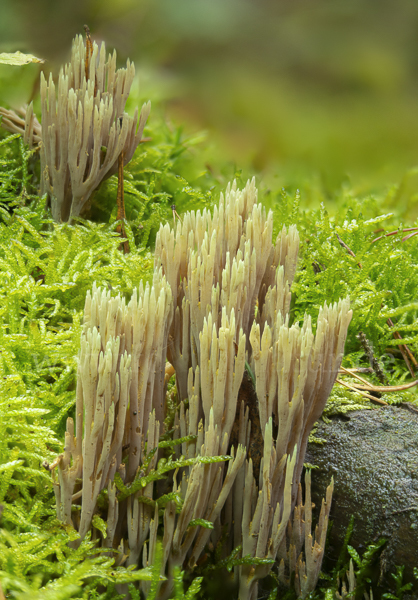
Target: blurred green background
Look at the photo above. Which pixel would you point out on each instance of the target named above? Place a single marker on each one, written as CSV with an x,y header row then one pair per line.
x,y
325,89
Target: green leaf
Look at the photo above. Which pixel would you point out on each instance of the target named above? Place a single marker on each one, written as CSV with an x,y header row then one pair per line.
x,y
100,525
354,555
201,523
121,575
164,466
248,560
173,443
194,588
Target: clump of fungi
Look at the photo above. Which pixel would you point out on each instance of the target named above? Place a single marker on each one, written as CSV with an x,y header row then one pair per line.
x,y
250,386
218,309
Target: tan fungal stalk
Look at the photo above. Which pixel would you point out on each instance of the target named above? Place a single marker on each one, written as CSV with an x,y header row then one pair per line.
x,y
221,371
116,404
104,377
26,124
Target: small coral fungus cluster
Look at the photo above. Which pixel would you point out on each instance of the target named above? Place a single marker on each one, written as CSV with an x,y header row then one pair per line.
x,y
84,127
217,310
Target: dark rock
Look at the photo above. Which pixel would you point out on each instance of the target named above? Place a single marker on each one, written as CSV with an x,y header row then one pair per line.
x,y
373,456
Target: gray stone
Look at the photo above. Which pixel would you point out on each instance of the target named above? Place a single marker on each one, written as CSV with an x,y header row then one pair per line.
x,y
373,457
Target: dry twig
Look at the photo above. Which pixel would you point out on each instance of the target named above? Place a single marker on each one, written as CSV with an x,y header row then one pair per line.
x,y
359,391
344,245
395,232
89,51
368,387
120,199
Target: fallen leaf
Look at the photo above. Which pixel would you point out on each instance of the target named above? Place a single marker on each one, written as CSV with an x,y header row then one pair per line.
x,y
18,58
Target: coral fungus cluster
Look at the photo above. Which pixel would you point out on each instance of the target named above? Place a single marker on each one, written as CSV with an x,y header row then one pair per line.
x,y
217,310
84,127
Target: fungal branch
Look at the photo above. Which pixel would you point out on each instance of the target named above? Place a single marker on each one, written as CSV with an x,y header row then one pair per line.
x,y
236,453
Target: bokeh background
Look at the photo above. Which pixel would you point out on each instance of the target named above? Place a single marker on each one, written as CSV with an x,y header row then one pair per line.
x,y
326,89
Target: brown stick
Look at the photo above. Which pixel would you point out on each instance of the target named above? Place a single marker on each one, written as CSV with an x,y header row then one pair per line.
x,y
89,51
352,374
175,213
407,237
120,200
344,245
383,389
354,389
360,370
55,463
393,233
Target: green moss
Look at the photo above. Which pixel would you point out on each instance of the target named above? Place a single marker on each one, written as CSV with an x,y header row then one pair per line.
x,y
46,269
